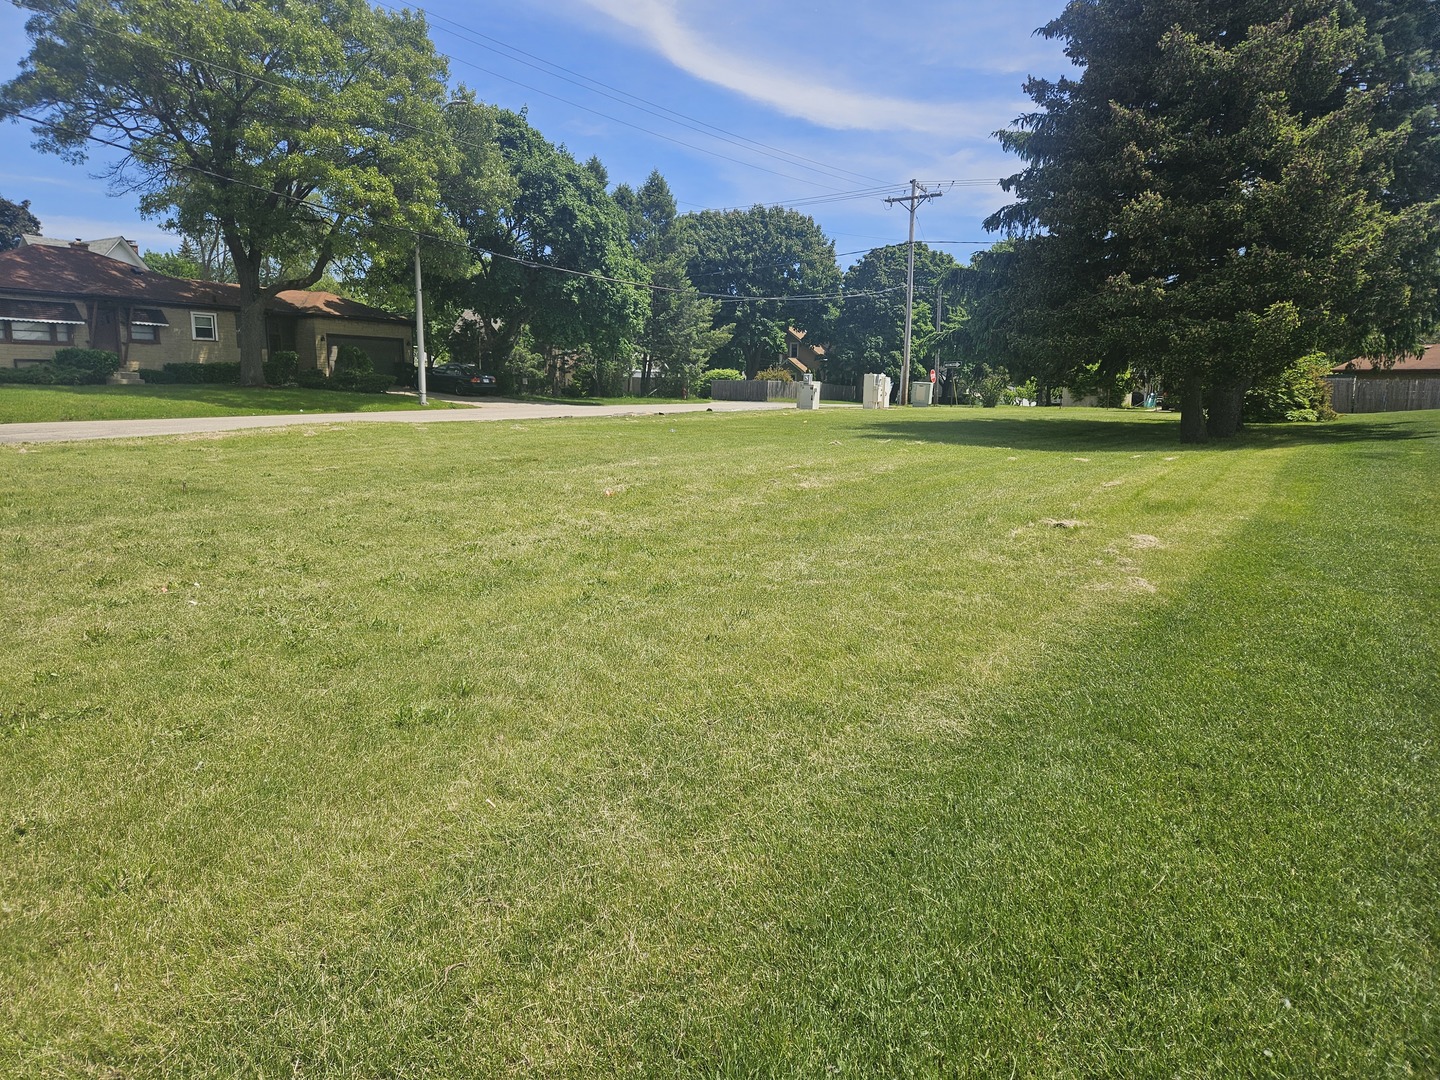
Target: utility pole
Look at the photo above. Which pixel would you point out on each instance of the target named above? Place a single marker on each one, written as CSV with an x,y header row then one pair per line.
x,y
419,330
917,196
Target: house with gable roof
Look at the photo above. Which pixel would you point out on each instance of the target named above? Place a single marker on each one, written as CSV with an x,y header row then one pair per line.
x,y
53,296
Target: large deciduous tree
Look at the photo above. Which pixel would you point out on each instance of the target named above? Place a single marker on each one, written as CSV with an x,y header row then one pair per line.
x,y
547,257
869,331
1226,188
15,219
303,132
768,258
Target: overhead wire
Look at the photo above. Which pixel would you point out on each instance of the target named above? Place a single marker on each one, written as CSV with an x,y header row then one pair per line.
x,y
624,97
319,205
831,196
214,66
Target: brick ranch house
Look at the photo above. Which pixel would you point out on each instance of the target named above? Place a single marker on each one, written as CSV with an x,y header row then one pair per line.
x,y
52,297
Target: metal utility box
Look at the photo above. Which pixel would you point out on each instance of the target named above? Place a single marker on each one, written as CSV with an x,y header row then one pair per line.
x,y
875,391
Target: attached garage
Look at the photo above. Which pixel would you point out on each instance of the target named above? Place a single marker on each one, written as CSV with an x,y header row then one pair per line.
x,y
386,353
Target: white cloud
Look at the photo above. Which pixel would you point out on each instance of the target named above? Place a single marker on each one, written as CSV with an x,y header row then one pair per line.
x,y
803,96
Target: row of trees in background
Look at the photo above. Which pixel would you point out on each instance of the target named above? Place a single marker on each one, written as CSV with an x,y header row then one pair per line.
x,y
1224,193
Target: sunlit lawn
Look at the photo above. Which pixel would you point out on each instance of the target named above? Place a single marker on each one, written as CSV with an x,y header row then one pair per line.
x,y
935,743
52,404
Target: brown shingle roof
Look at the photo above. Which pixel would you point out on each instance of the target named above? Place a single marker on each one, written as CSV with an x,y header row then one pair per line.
x,y
47,271
1427,360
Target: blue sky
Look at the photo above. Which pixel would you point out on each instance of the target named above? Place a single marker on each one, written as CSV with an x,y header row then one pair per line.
x,y
850,95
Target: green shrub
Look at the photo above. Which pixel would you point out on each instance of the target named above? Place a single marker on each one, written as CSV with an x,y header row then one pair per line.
x,y
994,387
585,380
281,368
714,375
352,360
157,376
775,374
69,367
204,373
345,381
356,382
96,363
1299,393
30,375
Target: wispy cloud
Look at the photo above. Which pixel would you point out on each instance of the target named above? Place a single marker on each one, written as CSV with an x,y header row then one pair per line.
x,y
807,96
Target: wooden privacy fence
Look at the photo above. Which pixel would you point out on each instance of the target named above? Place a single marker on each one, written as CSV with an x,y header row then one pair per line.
x,y
1355,394
777,390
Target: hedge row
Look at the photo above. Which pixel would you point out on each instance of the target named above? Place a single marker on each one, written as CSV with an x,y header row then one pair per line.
x,y
69,367
193,373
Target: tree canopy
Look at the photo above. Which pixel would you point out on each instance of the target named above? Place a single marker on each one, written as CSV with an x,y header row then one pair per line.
x,y
772,254
869,331
545,257
1217,196
15,219
303,133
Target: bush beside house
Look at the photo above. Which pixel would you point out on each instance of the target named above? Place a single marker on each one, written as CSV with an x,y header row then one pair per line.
x,y
68,367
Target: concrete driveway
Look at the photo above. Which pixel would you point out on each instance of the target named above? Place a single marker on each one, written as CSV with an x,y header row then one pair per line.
x,y
75,431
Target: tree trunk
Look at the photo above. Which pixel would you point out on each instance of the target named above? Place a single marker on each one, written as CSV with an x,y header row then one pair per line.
x,y
1192,411
252,322
1223,415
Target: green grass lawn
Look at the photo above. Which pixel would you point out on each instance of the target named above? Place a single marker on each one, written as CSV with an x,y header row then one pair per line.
x,y
52,404
724,745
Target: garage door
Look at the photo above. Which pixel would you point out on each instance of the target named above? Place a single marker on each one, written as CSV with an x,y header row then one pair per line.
x,y
387,354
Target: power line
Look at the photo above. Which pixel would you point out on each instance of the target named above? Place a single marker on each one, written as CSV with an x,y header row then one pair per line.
x,y
832,196
638,127
316,204
213,66
623,97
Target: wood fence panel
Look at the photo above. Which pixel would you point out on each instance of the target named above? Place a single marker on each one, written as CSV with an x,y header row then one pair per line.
x,y
1352,394
777,390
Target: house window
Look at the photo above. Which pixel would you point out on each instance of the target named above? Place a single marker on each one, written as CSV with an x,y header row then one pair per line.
x,y
794,350
202,326
148,334
45,333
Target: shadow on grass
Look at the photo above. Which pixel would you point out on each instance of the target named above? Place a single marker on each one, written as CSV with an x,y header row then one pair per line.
x,y
1106,431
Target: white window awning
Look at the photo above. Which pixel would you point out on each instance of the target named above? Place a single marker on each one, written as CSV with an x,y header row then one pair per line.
x,y
40,311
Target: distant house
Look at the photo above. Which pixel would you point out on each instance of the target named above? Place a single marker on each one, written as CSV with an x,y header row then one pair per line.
x,y
802,356
113,247
54,296
1365,385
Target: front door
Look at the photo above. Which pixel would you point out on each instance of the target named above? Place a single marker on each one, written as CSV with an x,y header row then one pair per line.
x,y
105,332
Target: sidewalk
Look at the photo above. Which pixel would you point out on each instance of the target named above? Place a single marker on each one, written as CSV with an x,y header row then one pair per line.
x,y
79,430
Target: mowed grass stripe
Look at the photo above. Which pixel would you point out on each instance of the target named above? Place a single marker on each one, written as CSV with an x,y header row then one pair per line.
x,y
694,776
